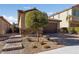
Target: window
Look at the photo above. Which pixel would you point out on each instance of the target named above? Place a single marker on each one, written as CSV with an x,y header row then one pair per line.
x,y
76,12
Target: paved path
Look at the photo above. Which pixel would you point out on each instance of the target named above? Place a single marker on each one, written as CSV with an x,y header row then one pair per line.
x,y
15,40
65,39
13,45
20,51
63,50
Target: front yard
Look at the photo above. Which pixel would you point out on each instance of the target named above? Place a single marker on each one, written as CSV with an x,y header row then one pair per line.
x,y
32,46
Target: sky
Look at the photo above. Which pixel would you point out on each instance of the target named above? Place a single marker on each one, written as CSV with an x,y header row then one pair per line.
x,y
9,11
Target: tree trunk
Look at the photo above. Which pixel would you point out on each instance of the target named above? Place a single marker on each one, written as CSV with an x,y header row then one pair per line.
x,y
38,36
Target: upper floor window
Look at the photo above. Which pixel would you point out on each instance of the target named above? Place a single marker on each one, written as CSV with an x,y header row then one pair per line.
x,y
76,12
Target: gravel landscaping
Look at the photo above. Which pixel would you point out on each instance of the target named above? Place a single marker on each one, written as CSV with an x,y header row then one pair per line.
x,y
36,47
1,45
16,44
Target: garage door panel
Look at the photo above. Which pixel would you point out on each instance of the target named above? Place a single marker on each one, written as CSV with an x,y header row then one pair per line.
x,y
51,28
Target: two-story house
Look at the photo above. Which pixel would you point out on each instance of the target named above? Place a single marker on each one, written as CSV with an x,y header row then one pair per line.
x,y
69,17
52,27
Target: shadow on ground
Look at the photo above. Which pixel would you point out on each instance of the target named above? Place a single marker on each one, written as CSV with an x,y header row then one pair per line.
x,y
66,40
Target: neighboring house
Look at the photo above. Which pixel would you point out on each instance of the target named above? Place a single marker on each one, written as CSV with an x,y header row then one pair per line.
x,y
4,25
52,27
68,17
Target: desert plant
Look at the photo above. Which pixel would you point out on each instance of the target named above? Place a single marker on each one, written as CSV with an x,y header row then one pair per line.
x,y
35,46
47,47
43,43
36,20
30,40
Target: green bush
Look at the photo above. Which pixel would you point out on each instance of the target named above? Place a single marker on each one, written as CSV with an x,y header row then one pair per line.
x,y
77,29
64,30
9,30
73,30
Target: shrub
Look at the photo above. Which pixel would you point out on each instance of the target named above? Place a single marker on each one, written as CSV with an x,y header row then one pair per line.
x,y
9,30
47,47
35,46
77,29
43,43
73,30
30,40
16,30
64,30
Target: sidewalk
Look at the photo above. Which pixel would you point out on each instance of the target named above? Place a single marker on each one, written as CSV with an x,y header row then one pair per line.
x,y
63,50
13,45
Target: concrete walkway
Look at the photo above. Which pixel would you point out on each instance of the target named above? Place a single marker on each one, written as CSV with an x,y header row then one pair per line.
x,y
20,51
63,50
13,45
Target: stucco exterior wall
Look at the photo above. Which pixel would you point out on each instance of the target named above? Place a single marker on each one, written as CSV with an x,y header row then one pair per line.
x,y
21,22
4,26
0,26
57,16
63,17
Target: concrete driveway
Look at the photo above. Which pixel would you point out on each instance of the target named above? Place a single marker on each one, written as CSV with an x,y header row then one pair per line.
x,y
71,43
63,50
65,39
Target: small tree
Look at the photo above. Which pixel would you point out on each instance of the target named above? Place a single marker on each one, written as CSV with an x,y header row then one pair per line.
x,y
13,27
36,20
68,18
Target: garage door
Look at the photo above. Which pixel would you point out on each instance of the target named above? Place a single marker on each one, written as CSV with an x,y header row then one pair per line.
x,y
51,28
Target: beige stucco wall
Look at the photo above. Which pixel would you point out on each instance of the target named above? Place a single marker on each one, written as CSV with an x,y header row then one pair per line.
x,y
0,26
3,26
20,22
57,16
62,16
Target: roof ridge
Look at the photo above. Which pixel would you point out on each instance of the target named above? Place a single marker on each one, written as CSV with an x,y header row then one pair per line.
x,y
5,20
63,10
